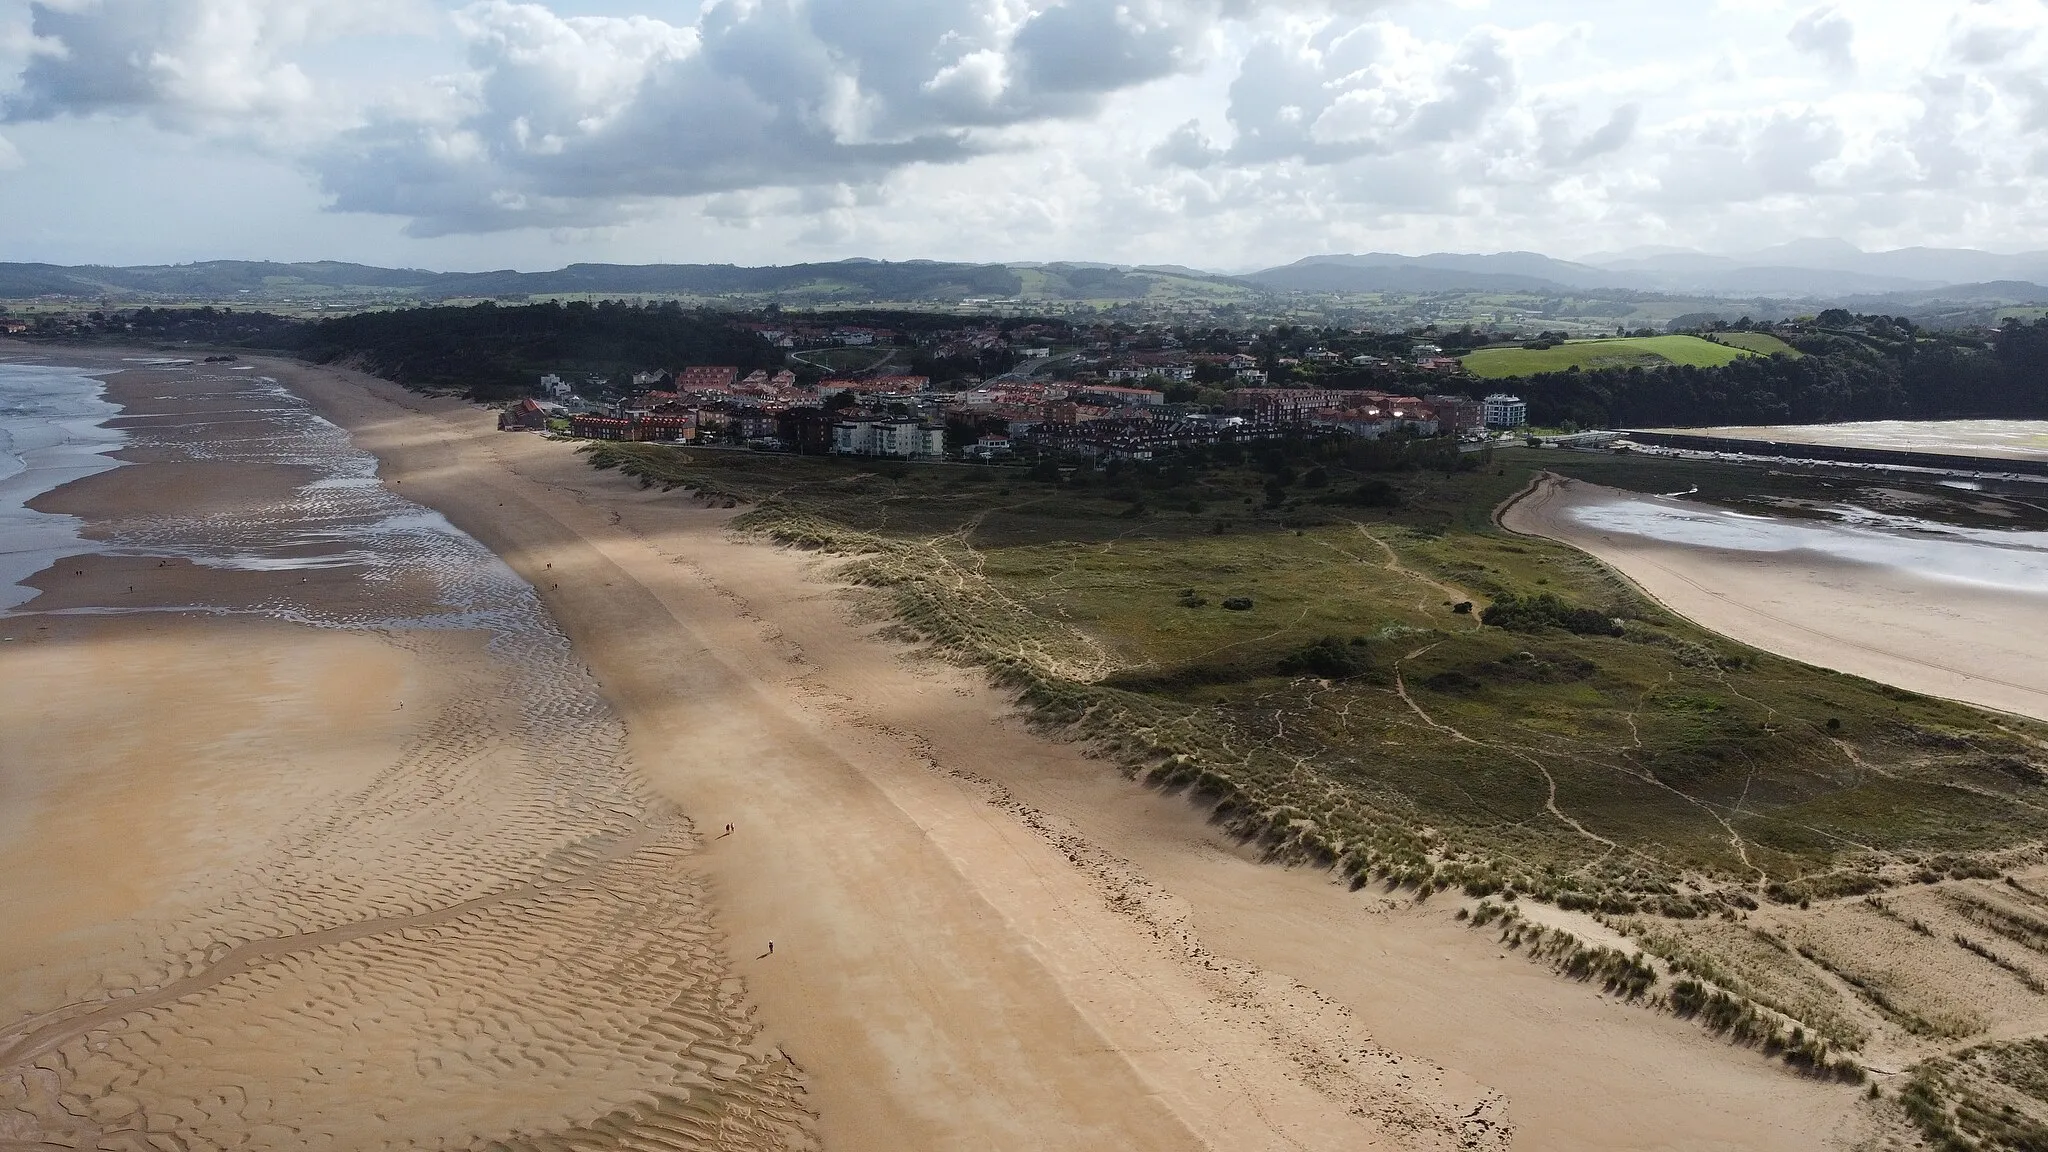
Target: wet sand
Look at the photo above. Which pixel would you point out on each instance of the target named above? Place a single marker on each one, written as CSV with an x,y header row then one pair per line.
x,y
986,939
305,848
1887,623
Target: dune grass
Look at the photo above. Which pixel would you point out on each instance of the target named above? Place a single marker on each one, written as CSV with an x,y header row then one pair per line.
x,y
1354,714
1647,351
1318,669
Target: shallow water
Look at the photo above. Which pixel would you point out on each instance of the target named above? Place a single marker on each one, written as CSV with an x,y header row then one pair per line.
x,y
2013,561
52,431
2013,439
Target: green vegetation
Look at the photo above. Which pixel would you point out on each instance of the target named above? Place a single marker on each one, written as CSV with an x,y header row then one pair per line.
x,y
1647,351
1642,765
1761,343
1401,691
1991,1098
492,353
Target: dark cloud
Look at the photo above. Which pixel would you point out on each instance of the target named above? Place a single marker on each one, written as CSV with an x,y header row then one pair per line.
x,y
104,64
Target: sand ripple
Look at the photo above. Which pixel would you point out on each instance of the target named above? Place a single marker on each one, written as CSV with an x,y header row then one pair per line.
x,y
498,941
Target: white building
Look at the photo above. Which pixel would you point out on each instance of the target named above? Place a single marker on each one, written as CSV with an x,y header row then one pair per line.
x,y
905,439
556,387
1505,411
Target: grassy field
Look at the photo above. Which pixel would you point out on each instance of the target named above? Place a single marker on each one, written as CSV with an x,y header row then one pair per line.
x,y
1352,712
1353,665
1761,343
1502,363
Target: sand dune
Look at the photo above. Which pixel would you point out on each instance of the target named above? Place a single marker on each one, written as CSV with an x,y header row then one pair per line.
x,y
985,939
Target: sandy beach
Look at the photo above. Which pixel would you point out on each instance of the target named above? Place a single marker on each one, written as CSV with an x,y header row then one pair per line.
x,y
1943,638
1991,439
982,938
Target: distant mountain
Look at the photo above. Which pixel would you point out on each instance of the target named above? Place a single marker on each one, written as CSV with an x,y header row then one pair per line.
x,y
1994,292
846,281
1812,273
1343,278
1825,267
1440,271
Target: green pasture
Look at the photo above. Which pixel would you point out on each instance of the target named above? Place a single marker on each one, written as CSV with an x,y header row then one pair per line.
x,y
1646,351
1761,343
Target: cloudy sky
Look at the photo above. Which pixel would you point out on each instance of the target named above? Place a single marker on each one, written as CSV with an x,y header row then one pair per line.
x,y
1224,134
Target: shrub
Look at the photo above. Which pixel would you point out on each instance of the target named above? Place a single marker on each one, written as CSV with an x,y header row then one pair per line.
x,y
1544,610
1329,658
1368,494
1238,603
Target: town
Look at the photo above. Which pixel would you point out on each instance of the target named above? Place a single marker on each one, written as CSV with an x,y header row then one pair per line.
x,y
1107,395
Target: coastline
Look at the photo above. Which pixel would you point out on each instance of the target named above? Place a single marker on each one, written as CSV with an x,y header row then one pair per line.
x,y
1883,624
1009,887
314,835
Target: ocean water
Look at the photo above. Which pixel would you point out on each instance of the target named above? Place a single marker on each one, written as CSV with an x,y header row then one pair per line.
x,y
52,431
2012,561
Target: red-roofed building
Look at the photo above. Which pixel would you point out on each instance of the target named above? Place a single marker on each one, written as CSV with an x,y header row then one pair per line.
x,y
706,379
525,416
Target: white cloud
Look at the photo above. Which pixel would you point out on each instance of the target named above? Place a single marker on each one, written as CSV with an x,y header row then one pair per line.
x,y
1828,34
593,119
1191,131
188,65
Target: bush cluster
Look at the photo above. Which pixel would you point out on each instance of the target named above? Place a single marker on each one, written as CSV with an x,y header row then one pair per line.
x,y
1328,658
1545,610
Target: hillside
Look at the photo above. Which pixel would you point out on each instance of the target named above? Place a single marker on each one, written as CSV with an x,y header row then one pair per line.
x,y
1644,352
1761,343
841,282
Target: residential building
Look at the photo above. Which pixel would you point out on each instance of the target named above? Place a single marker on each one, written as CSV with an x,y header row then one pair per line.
x,y
706,379
1118,397
990,448
807,431
905,439
1456,414
525,416
677,426
1505,411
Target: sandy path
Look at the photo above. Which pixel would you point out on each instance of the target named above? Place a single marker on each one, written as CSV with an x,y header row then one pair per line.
x,y
984,939
1948,640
